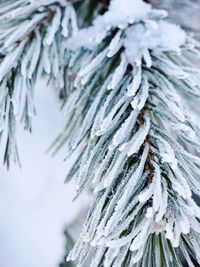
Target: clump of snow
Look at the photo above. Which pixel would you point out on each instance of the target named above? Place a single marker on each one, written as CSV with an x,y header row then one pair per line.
x,y
120,14
171,36
163,35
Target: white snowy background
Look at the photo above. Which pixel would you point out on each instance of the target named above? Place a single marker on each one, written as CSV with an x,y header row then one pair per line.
x,y
35,204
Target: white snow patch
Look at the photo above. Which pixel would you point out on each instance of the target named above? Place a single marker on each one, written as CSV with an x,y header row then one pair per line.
x,y
127,11
163,35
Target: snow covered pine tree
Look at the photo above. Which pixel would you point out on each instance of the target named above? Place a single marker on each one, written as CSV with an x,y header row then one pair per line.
x,y
132,106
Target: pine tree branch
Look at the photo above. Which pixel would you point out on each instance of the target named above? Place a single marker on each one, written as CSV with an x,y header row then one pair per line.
x,y
32,35
135,138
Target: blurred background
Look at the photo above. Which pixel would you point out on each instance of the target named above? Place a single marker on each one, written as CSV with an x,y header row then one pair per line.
x,y
183,12
35,204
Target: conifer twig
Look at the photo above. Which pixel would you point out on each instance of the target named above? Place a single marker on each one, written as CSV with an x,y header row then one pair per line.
x,y
135,138
32,34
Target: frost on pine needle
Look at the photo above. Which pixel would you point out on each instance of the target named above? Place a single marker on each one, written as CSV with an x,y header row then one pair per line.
x,y
32,34
134,82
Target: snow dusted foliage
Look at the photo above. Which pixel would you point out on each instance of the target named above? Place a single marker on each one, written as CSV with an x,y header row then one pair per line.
x,y
132,125
32,34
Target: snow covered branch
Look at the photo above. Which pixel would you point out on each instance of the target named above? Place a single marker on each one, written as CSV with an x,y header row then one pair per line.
x,y
136,138
32,34
132,89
